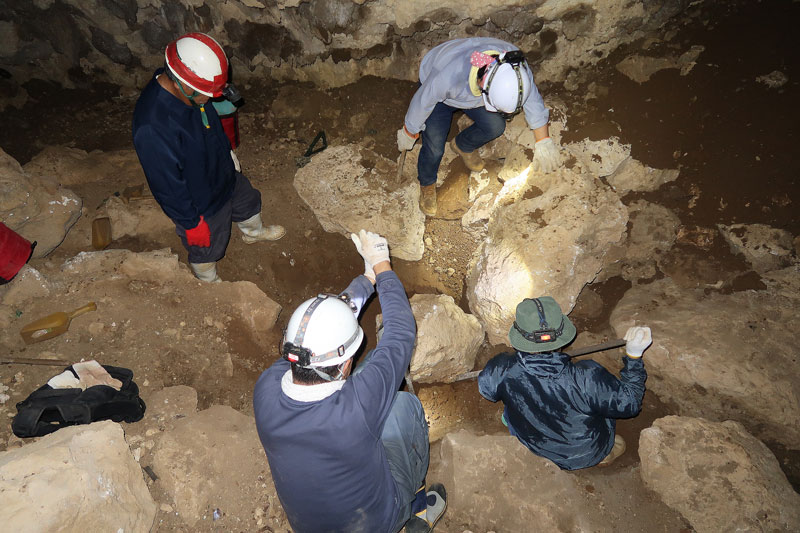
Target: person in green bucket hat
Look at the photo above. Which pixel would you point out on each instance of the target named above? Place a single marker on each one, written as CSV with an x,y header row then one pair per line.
x,y
560,410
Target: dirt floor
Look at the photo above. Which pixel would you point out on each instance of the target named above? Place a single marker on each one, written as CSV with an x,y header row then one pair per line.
x,y
732,138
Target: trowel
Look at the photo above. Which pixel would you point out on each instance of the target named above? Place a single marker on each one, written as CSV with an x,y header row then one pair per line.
x,y
52,325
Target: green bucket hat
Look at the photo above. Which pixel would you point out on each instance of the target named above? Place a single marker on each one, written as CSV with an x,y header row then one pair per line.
x,y
540,326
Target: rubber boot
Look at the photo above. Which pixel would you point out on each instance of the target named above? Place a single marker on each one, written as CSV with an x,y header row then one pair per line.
x,y
427,199
205,272
616,451
253,230
471,159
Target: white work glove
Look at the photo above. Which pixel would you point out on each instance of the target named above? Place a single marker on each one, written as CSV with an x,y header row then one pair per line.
x,y
545,156
368,271
404,140
236,164
639,338
373,248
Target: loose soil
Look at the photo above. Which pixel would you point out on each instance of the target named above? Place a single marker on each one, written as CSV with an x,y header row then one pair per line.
x,y
732,138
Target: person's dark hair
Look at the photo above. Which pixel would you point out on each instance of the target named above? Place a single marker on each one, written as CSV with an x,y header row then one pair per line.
x,y
306,376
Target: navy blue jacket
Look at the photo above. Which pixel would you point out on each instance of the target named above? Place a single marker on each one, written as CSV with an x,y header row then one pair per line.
x,y
326,457
561,410
188,166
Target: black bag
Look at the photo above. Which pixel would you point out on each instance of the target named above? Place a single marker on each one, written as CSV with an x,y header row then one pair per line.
x,y
48,409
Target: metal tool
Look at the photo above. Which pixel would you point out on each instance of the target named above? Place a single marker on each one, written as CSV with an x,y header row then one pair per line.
x,y
400,165
305,159
616,343
52,325
30,361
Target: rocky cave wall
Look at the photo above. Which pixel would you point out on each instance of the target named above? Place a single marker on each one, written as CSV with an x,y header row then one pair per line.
x,y
327,42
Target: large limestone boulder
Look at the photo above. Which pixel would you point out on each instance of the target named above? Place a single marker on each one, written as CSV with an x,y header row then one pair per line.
x,y
213,460
552,241
72,166
724,356
448,339
80,478
632,175
249,303
350,188
653,229
495,484
765,248
136,217
718,476
36,206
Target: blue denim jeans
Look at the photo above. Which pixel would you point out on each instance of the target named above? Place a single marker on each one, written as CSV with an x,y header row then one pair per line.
x,y
405,441
487,126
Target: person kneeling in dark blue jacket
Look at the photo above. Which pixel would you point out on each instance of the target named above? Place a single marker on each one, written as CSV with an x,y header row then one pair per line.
x,y
348,452
561,410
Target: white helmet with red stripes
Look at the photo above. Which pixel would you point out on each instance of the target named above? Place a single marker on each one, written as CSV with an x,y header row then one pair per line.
x,y
199,62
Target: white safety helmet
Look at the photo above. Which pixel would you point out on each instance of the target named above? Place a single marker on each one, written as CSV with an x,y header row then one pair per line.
x,y
199,62
323,331
507,84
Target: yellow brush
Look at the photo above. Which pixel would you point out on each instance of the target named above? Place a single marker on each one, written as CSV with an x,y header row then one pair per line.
x,y
52,325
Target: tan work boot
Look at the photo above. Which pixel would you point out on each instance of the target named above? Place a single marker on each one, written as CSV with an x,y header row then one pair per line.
x,y
253,230
427,199
471,159
616,451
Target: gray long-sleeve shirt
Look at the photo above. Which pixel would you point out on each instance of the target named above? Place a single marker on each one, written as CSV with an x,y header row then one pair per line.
x,y
327,460
444,77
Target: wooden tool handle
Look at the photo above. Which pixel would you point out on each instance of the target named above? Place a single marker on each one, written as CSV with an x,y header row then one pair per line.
x,y
29,361
91,306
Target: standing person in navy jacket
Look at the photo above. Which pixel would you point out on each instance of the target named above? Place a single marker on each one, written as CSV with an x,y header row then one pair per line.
x,y
187,157
348,452
561,410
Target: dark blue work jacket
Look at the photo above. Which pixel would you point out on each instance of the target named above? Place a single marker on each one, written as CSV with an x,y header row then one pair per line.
x,y
561,410
188,166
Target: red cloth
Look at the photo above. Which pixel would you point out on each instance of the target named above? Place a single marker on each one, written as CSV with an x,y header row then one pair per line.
x,y
230,124
14,252
200,235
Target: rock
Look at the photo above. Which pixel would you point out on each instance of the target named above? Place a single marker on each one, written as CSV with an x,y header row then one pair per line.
x,y
489,480
600,158
136,217
28,283
723,356
193,462
551,243
774,79
718,476
80,478
35,206
631,175
158,265
653,231
764,247
172,403
72,166
448,339
257,310
350,189
641,68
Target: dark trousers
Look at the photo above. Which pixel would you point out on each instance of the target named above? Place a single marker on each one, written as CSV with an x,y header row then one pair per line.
x,y
487,126
243,204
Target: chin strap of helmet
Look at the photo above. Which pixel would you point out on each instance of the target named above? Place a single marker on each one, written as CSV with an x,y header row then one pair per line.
x,y
190,97
294,352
